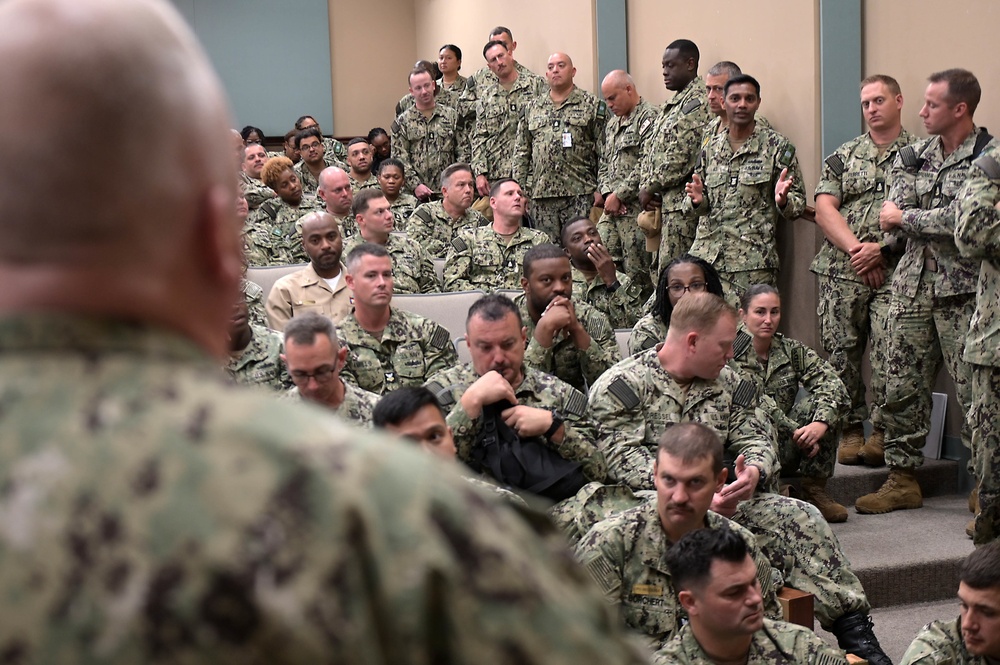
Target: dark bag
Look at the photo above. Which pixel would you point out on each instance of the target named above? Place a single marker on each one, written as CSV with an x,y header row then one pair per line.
x,y
526,464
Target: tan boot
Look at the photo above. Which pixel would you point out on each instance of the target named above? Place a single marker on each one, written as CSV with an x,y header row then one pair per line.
x,y
899,492
851,442
814,491
970,528
873,453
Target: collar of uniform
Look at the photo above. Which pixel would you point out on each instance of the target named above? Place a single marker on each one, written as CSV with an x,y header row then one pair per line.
x,y
690,90
961,153
752,144
652,541
530,382
92,335
311,278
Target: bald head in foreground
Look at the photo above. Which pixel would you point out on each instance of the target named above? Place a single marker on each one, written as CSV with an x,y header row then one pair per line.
x,y
150,512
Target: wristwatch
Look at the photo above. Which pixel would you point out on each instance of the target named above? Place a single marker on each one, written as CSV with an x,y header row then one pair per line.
x,y
557,422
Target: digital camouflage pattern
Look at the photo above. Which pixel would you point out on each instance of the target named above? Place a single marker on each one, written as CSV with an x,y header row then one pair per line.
x,y
412,268
634,403
309,182
410,350
941,643
272,233
669,161
402,209
426,146
563,359
790,364
305,291
356,408
480,258
623,306
255,191
348,225
431,227
646,333
930,309
497,112
552,212
625,556
254,297
334,152
776,642
851,313
194,521
357,185
259,364
977,236
538,390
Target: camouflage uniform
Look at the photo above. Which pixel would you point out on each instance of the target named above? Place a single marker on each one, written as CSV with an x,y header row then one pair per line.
x,y
272,232
433,228
941,643
426,146
623,306
479,258
481,84
348,225
634,403
646,333
334,153
357,406
933,296
402,209
497,112
776,642
669,160
850,312
309,182
576,367
409,351
560,179
412,268
538,390
357,185
736,233
194,521
790,364
625,556
977,235
255,191
305,291
619,173
254,297
259,364
445,96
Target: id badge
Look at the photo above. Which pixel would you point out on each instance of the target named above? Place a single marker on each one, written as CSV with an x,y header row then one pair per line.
x,y
567,140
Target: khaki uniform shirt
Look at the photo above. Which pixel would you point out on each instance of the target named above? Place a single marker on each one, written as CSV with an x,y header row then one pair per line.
x,y
305,291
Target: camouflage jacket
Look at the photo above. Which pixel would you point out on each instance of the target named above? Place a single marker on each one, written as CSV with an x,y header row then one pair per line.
x,y
790,364
538,390
670,158
576,367
309,182
480,259
357,185
559,147
623,306
356,408
625,556
410,350
634,403
646,333
254,297
737,229
402,209
941,643
859,178
624,141
201,508
776,642
926,190
497,113
272,233
412,267
335,154
426,146
431,227
255,191
259,364
977,236
305,291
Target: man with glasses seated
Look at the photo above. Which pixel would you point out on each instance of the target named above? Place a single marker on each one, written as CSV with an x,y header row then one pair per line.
x,y
314,358
309,143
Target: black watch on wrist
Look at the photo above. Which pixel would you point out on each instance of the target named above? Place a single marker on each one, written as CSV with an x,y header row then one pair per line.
x,y
557,422
615,286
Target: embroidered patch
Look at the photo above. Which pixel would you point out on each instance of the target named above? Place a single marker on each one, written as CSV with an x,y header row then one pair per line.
x,y
440,339
744,394
836,164
624,393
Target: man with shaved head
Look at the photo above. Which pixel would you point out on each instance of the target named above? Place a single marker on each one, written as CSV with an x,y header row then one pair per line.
x,y
337,195
153,513
559,144
618,177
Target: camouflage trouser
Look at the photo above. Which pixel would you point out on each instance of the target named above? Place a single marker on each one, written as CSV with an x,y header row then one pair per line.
x,y
793,462
735,284
924,330
626,244
552,212
851,314
984,420
676,237
798,542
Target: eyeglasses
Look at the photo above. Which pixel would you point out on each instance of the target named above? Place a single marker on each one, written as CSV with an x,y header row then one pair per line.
x,y
680,289
321,374
311,146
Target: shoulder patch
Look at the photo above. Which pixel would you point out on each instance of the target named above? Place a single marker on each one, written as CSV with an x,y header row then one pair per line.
x,y
836,164
742,343
908,156
423,214
691,106
989,166
602,110
270,208
798,358
443,394
786,156
440,339
459,245
647,343
576,404
603,573
645,125
394,127
596,325
744,394
624,393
